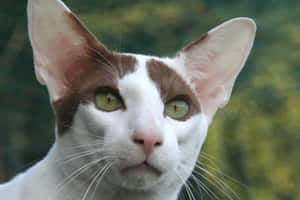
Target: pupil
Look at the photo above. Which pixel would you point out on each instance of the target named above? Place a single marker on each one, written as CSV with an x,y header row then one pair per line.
x,y
175,107
108,98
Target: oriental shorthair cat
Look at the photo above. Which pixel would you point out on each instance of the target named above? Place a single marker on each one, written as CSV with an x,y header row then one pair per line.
x,y
128,126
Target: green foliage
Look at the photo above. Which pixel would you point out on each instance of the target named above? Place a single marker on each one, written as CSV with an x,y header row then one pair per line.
x,y
255,139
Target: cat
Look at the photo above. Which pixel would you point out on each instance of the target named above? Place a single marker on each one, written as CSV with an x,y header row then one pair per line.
x,y
128,126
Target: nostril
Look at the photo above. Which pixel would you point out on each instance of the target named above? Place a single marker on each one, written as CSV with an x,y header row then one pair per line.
x,y
157,144
139,141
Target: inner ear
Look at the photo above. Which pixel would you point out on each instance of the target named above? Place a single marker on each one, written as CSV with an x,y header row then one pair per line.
x,y
62,45
213,62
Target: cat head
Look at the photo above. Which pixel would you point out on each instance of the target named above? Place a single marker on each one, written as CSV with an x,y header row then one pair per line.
x,y
143,118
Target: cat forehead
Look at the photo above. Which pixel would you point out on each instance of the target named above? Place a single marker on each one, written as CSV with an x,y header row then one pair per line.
x,y
136,72
162,72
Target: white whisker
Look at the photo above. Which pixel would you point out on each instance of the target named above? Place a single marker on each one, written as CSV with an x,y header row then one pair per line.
x,y
186,186
98,143
100,179
108,64
78,172
221,173
206,189
98,173
220,184
78,155
79,130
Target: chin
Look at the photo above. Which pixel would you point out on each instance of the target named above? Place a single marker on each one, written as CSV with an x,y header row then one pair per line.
x,y
137,178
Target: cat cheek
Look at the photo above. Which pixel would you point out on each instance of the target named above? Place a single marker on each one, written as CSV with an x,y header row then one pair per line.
x,y
169,159
95,120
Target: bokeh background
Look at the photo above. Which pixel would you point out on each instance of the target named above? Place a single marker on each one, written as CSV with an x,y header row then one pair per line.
x,y
255,140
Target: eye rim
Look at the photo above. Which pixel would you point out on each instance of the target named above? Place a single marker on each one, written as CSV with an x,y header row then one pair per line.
x,y
113,91
184,98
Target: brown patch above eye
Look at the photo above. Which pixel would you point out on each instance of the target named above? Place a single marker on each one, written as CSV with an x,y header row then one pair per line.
x,y
102,68
172,85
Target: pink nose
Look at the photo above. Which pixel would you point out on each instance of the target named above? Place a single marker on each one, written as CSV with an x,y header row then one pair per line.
x,y
148,141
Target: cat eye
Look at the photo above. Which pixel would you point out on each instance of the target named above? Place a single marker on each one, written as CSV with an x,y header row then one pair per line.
x,y
108,100
177,108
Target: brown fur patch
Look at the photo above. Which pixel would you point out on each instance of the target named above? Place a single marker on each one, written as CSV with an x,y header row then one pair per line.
x,y
93,68
98,68
171,85
102,71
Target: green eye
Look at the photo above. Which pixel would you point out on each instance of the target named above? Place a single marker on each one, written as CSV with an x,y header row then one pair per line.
x,y
177,109
108,101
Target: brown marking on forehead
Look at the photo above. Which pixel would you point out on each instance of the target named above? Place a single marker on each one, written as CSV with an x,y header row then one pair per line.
x,y
171,85
94,53
97,67
93,67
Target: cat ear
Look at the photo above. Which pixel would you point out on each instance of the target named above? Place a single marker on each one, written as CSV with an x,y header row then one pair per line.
x,y
58,40
213,62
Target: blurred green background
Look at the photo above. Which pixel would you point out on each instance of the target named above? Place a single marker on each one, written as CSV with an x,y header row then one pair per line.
x,y
255,139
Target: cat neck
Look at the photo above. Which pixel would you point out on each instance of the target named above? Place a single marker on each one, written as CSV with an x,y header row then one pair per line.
x,y
59,186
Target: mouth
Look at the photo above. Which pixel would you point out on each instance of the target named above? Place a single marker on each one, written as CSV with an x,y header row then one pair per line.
x,y
143,167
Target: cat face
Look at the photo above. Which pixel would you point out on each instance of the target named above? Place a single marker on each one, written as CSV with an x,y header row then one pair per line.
x,y
143,137
140,119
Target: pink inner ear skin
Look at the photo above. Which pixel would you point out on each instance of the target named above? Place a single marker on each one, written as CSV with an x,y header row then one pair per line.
x,y
76,65
58,38
208,101
73,73
59,74
213,62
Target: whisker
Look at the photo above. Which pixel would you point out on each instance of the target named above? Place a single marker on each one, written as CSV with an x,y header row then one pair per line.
x,y
210,159
107,67
195,189
120,65
78,172
100,179
201,184
186,186
221,173
208,191
79,130
219,183
212,175
223,187
98,173
76,156
109,63
213,184
80,146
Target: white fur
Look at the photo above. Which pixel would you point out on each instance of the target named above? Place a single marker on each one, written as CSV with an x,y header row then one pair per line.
x,y
182,143
109,135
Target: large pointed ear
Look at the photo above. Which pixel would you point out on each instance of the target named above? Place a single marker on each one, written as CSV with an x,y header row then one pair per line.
x,y
213,62
58,40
